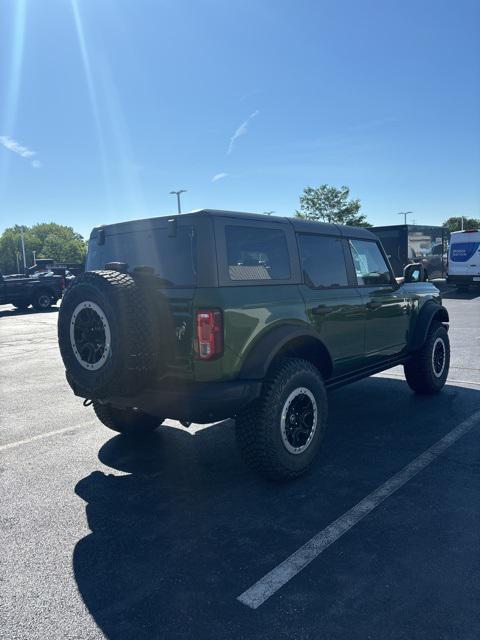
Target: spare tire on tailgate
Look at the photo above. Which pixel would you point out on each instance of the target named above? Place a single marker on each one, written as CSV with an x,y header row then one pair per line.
x,y
107,336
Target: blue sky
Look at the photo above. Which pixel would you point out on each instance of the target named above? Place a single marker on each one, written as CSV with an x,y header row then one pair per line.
x,y
107,105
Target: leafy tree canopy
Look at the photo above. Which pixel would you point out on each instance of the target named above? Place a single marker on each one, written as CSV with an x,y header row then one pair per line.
x,y
455,223
329,204
48,240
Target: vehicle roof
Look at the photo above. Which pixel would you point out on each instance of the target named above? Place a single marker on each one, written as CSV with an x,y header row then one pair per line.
x,y
465,234
310,226
300,225
412,227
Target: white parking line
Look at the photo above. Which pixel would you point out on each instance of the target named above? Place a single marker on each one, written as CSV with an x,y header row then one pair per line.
x,y
386,374
289,568
12,445
172,424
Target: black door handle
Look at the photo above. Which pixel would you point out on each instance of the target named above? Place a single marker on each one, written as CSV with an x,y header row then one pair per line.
x,y
374,305
321,310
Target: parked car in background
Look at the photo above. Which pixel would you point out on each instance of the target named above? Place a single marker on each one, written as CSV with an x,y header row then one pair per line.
x,y
464,258
68,270
407,243
41,290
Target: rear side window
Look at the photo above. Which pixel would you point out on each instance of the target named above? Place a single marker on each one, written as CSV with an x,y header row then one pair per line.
x,y
173,258
370,265
257,253
323,262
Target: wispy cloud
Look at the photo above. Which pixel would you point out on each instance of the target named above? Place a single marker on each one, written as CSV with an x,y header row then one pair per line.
x,y
219,176
13,145
241,131
22,151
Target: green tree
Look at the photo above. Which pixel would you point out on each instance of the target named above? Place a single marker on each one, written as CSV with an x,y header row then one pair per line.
x,y
455,223
48,240
330,204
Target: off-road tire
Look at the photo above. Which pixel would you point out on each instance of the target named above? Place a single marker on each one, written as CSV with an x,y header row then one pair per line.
x,y
42,300
126,421
420,372
133,351
258,427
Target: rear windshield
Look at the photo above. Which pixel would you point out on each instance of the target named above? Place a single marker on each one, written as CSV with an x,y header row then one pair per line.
x,y
173,259
257,253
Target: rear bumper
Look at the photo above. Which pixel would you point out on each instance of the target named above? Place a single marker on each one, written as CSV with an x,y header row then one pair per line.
x,y
463,279
199,402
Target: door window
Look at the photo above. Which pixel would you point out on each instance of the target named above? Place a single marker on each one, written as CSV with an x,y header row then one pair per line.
x,y
257,253
323,262
370,265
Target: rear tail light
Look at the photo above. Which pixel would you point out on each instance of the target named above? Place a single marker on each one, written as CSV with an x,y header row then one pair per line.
x,y
209,339
62,283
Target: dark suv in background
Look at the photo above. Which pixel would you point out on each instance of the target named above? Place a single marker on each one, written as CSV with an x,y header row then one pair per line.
x,y
40,290
217,314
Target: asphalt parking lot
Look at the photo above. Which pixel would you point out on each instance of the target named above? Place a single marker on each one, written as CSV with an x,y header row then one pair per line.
x,y
105,537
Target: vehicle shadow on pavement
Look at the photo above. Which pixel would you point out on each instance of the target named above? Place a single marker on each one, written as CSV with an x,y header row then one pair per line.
x,y
187,527
10,313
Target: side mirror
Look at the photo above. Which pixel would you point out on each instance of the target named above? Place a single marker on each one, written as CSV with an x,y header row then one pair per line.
x,y
414,272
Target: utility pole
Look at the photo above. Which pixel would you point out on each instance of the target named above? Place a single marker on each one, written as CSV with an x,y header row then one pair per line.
x,y
461,217
404,214
177,193
23,249
18,261
34,257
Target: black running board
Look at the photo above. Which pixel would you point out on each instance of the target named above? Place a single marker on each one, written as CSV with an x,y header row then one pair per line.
x,y
359,374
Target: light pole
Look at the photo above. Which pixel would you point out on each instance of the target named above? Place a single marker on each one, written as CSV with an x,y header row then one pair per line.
x,y
177,193
23,249
404,214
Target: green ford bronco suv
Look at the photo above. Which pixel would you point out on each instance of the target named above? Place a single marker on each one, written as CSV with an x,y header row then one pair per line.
x,y
215,314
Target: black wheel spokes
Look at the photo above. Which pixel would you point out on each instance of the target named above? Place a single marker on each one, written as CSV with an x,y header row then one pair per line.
x,y
439,358
83,320
299,420
87,353
307,421
89,334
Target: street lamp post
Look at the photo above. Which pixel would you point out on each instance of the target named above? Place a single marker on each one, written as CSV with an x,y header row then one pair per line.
x,y
404,214
177,193
22,239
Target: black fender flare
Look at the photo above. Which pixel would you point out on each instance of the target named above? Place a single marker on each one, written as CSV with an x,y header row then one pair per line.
x,y
269,345
430,312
